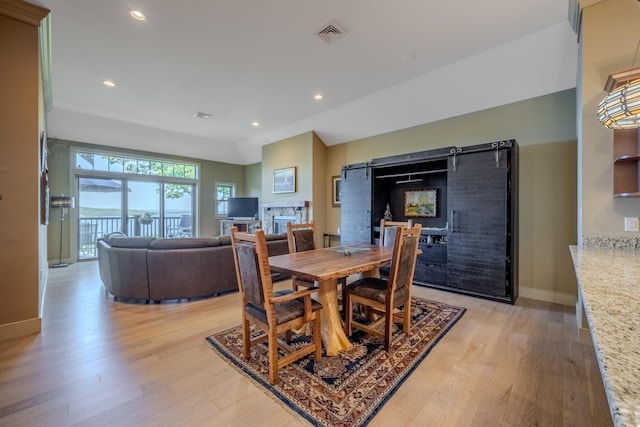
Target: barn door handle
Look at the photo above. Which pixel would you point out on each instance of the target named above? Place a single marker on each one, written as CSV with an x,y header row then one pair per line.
x,y
452,219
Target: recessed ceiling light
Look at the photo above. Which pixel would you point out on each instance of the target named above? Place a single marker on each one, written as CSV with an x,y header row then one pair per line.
x,y
317,97
108,83
255,124
201,115
136,14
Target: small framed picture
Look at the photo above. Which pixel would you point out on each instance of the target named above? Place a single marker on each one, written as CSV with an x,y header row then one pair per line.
x,y
420,203
284,180
335,191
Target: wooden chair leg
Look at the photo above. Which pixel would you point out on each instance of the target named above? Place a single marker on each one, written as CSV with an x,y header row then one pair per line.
x,y
348,313
273,357
388,331
407,316
246,338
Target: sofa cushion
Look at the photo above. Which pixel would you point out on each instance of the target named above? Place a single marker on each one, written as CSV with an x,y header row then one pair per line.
x,y
281,236
225,240
130,242
185,243
112,235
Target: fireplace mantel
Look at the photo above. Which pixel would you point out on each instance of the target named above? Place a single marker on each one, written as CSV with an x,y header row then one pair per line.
x,y
298,211
286,204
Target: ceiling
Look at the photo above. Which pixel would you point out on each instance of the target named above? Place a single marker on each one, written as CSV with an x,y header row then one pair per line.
x,y
399,63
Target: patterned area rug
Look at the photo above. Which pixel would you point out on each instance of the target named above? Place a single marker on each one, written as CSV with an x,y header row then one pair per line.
x,y
349,389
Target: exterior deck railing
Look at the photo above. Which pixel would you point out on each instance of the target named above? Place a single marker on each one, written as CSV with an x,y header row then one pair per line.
x,y
90,229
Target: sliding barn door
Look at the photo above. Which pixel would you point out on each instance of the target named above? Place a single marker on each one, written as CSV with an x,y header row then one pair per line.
x,y
477,247
355,204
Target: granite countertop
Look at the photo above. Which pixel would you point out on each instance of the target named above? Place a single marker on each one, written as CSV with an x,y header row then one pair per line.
x,y
609,284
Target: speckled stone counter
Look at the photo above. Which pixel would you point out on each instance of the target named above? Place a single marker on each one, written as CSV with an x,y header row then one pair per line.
x,y
609,285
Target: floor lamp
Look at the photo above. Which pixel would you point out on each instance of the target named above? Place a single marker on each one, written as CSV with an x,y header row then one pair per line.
x,y
62,202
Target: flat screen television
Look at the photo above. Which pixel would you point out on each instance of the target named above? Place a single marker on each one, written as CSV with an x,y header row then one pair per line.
x,y
243,208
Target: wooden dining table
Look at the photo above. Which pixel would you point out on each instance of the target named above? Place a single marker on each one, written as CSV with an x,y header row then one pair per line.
x,y
326,266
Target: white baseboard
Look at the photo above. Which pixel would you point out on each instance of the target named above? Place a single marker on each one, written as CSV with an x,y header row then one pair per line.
x,y
19,329
584,335
548,296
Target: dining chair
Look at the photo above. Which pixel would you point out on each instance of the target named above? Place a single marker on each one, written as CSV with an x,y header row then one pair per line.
x,y
303,237
387,234
385,296
275,313
384,228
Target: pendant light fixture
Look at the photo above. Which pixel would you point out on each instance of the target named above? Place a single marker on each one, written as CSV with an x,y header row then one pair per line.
x,y
620,109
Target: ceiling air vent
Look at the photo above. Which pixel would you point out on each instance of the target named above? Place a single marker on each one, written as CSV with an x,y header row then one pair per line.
x,y
331,32
201,115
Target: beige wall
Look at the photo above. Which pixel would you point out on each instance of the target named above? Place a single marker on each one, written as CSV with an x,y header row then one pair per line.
x,y
20,237
295,151
544,127
610,34
320,184
253,180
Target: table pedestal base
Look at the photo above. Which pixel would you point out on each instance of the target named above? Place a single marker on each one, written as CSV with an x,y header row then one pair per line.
x,y
333,335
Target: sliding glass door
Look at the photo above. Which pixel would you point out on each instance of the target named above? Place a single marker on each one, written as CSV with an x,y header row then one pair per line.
x,y
100,212
153,209
143,209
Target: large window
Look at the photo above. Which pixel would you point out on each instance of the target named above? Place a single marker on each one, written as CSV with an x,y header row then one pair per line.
x,y
224,191
136,196
87,161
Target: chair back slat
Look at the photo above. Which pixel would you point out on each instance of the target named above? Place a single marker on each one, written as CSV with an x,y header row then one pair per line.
x,y
250,274
252,267
406,262
301,237
387,231
403,260
304,240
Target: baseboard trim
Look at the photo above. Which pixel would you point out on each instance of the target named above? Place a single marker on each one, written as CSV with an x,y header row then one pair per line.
x,y
19,329
548,296
584,335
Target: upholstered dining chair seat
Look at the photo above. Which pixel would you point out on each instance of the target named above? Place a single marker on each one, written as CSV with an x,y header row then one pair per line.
x,y
376,289
284,311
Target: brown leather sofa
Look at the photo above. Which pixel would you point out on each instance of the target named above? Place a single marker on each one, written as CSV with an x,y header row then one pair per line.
x,y
150,269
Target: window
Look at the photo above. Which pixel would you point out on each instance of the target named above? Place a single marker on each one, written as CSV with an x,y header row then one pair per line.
x,y
224,191
139,196
135,166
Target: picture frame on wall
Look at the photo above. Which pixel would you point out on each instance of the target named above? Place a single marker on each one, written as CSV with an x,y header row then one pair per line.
x,y
336,189
284,180
421,203
44,181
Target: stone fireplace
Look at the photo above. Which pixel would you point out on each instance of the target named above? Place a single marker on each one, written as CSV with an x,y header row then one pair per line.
x,y
275,215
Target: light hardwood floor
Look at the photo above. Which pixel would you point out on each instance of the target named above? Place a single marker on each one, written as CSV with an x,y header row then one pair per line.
x,y
102,362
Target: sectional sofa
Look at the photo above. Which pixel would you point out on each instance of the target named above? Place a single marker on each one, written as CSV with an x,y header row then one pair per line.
x,y
150,269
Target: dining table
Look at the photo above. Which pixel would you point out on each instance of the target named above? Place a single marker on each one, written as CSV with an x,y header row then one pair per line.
x,y
325,266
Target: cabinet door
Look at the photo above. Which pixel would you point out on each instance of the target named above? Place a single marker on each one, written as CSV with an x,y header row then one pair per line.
x,y
355,205
477,239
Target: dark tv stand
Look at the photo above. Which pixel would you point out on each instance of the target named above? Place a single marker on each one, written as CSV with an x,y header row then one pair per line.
x,y
247,225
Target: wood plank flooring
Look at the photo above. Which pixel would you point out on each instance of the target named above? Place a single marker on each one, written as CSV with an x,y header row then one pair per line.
x,y
100,362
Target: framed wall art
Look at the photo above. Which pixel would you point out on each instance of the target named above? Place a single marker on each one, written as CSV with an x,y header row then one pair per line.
x,y
284,180
335,191
44,181
421,203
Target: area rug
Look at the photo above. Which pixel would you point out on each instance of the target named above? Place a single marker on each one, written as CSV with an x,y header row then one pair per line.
x,y
349,389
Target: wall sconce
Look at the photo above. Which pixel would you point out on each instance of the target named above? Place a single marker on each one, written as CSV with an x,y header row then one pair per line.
x,y
62,202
